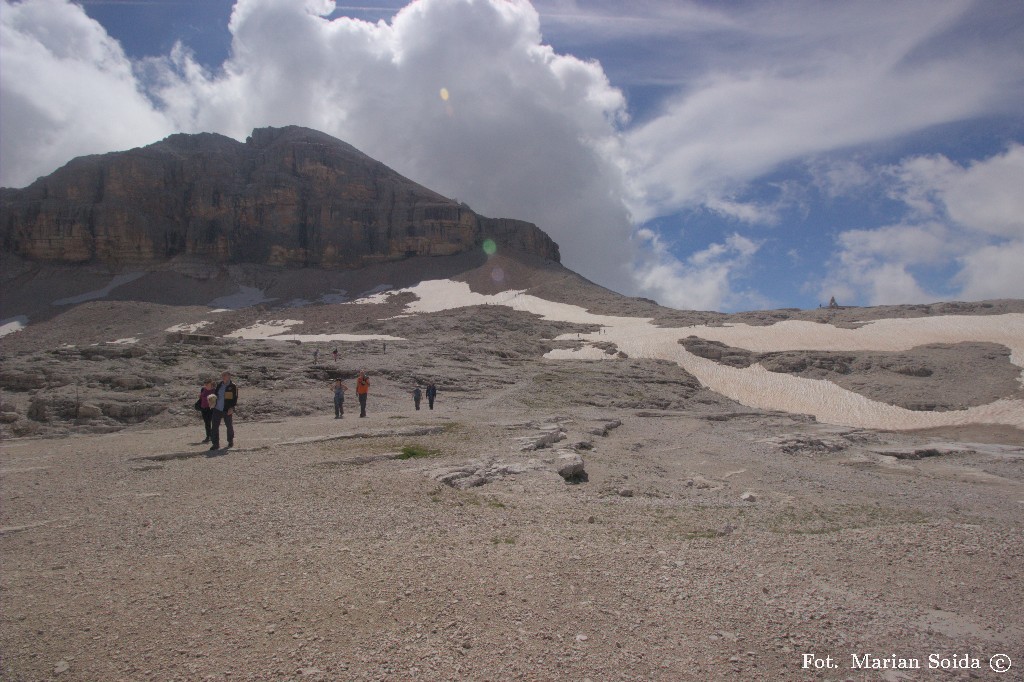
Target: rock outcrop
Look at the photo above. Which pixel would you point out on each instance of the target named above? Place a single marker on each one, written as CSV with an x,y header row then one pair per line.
x,y
287,196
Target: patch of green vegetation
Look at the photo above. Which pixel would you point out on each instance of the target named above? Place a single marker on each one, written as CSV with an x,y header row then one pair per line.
x,y
496,504
509,540
416,451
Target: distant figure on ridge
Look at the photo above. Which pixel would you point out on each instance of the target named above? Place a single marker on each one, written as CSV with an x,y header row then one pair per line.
x,y
362,389
339,398
431,394
832,303
227,398
335,354
316,356
416,395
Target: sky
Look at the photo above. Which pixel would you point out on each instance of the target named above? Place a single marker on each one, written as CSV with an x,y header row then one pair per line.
x,y
709,155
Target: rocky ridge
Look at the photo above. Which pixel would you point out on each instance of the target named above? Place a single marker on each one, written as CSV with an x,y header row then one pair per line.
x,y
286,196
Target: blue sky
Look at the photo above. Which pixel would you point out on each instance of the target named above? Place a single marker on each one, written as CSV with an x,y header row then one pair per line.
x,y
705,154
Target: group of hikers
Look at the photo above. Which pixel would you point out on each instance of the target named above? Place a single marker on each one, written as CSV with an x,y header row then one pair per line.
x,y
217,403
363,390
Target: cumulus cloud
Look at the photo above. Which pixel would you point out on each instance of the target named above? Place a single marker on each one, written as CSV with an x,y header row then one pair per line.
x,y
993,272
969,218
706,280
67,89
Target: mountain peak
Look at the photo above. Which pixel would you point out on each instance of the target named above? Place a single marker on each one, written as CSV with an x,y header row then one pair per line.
x,y
287,196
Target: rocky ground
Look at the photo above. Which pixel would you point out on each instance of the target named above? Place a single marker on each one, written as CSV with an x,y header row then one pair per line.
x,y
703,539
705,544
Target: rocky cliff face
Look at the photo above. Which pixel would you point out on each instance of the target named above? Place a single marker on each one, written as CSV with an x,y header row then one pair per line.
x,y
287,196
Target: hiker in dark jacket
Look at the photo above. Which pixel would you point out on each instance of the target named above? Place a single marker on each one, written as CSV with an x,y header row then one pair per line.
x,y
206,409
416,394
227,398
431,394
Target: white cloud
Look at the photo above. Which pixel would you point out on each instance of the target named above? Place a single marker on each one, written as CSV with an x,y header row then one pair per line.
x,y
985,196
840,177
969,218
809,79
707,280
993,272
67,89
873,265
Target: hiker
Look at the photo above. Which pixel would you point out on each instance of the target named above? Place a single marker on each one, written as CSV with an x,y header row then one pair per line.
x,y
224,409
362,388
385,347
339,398
316,356
205,407
335,354
416,394
431,394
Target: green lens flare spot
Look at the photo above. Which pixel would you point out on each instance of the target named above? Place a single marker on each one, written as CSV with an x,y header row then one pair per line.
x,y
490,248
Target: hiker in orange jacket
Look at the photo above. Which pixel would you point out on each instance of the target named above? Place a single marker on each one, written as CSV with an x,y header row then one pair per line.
x,y
362,388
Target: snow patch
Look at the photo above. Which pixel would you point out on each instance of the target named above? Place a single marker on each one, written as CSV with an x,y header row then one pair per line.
x,y
117,281
755,386
186,328
274,330
13,324
127,341
337,296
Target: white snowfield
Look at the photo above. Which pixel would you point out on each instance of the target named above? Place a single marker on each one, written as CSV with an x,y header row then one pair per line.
x,y
755,386
186,328
245,297
13,324
274,330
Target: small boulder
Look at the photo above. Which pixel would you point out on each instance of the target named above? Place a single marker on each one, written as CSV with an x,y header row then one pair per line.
x,y
570,467
37,410
748,497
625,492
605,428
88,411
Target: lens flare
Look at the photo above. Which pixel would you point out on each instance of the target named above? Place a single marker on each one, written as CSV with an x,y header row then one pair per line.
x,y
498,275
490,248
444,94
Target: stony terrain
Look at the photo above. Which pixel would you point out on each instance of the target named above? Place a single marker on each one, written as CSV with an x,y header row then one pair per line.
x,y
703,540
708,542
